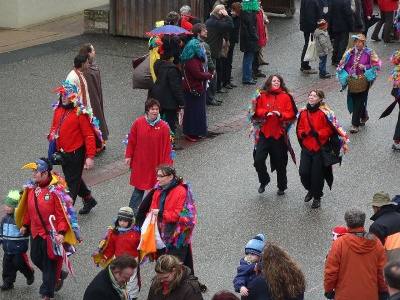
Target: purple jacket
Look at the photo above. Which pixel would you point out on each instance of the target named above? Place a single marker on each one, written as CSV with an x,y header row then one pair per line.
x,y
365,60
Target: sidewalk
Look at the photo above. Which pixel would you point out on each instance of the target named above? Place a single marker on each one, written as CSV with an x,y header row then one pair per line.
x,y
62,28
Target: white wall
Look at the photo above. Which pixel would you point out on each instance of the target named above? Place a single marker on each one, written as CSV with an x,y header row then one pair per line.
x,y
21,13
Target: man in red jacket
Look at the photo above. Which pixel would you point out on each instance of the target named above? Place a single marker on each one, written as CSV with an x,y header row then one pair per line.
x,y
75,138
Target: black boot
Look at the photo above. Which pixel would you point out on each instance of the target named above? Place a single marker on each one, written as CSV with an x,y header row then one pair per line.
x,y
87,206
6,286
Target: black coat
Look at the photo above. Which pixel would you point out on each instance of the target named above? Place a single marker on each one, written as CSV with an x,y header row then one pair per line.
x,y
386,222
358,17
248,32
341,16
101,288
168,87
309,15
218,29
234,34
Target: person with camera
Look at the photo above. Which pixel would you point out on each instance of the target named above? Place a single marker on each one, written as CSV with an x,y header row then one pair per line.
x,y
75,141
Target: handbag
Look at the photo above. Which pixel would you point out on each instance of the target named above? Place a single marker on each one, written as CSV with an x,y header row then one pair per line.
x,y
329,155
357,83
312,50
53,252
137,61
56,157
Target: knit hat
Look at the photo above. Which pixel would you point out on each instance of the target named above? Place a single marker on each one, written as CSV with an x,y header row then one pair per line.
x,y
255,245
12,198
380,199
338,231
322,24
250,5
125,213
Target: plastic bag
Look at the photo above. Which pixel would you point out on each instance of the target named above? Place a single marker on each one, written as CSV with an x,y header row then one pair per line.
x,y
150,239
312,50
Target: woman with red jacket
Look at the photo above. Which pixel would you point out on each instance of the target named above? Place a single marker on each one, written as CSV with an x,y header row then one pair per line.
x,y
313,125
274,109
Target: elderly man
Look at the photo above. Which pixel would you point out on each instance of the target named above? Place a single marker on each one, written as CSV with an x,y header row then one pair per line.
x,y
386,224
391,273
354,266
110,283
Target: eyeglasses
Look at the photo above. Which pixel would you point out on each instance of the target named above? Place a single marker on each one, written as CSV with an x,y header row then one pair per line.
x,y
161,175
163,277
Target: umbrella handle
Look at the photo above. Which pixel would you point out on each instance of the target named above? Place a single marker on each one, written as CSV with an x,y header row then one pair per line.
x,y
51,218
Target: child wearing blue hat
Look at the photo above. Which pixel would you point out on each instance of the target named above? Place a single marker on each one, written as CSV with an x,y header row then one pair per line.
x,y
250,265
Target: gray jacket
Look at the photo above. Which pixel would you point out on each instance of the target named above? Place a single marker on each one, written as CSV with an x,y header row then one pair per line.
x,y
323,42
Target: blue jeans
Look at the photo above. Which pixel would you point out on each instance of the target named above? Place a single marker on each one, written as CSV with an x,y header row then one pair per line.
x,y
322,65
136,199
247,66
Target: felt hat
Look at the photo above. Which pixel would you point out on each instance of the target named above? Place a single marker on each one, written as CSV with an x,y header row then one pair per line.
x,y
255,245
380,199
338,231
12,198
125,213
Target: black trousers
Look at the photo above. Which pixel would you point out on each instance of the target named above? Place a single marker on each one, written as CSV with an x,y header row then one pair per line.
x,y
228,70
220,69
226,66
305,64
387,19
339,46
277,151
359,103
169,116
397,130
12,263
311,172
47,266
73,174
256,65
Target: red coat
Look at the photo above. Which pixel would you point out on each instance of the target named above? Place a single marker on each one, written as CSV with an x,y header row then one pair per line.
x,y
74,132
354,267
49,204
262,35
173,203
121,243
148,147
194,73
280,102
387,5
321,125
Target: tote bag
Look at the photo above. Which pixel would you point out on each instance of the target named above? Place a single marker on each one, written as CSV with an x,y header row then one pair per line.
x,y
150,239
312,50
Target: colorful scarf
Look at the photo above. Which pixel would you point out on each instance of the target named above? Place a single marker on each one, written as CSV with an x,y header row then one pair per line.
x,y
395,73
376,63
121,290
195,47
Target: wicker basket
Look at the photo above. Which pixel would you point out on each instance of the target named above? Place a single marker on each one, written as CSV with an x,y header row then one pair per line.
x,y
357,84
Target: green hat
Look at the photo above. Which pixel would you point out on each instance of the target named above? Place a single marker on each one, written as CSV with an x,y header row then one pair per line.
x,y
380,199
12,198
250,5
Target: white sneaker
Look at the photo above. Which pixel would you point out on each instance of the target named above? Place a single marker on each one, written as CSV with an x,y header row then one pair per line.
x,y
354,129
396,146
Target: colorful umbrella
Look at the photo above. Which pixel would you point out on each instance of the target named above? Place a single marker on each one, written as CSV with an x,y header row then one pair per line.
x,y
168,29
61,248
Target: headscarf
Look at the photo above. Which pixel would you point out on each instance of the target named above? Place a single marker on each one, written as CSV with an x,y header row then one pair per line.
x,y
195,47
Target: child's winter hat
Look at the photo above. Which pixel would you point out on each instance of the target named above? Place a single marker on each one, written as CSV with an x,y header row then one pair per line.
x,y
255,245
125,213
12,198
322,24
338,231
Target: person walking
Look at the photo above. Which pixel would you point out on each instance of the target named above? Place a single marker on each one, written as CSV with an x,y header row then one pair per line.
x,y
387,9
271,112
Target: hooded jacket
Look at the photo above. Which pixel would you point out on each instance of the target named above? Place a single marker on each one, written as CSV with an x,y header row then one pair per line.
x,y
386,227
354,266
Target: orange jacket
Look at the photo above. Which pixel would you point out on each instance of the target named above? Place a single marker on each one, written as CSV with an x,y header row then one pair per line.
x,y
354,267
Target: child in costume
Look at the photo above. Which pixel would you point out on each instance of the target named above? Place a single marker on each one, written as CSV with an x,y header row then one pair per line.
x,y
15,246
395,79
120,239
324,47
250,265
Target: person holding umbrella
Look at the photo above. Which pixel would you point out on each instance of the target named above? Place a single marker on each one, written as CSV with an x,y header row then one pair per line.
x,y
43,196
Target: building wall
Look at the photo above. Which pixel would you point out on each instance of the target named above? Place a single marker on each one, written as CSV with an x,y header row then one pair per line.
x,y
21,13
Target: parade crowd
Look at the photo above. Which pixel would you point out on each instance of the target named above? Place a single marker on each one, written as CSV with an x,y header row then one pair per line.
x,y
188,69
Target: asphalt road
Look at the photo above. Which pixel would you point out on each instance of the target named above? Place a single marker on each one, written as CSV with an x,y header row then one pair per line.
x,y
220,170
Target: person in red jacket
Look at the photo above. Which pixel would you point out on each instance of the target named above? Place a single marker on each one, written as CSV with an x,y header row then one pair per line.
x,y
124,238
75,138
274,108
313,125
387,9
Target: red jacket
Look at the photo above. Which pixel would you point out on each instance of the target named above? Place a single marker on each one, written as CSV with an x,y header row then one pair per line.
x,y
121,243
354,267
49,204
262,35
195,74
173,203
321,125
387,5
148,147
368,7
280,102
75,131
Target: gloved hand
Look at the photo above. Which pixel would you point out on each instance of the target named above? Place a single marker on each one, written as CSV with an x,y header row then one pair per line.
x,y
313,133
303,134
329,295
